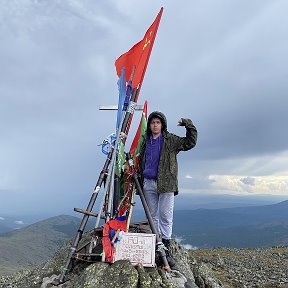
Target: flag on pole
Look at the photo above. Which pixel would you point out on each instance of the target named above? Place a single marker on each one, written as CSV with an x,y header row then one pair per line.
x,y
137,141
139,54
122,96
135,62
120,158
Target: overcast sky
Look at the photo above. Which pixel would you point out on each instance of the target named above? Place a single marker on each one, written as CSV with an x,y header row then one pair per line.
x,y
221,63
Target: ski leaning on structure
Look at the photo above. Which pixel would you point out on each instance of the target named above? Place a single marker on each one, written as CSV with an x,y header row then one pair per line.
x,y
131,65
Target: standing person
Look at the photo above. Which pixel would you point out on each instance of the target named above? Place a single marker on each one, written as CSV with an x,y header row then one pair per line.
x,y
159,171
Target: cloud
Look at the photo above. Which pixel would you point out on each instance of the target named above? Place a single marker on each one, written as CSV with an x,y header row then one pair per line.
x,y
223,64
19,222
180,239
248,181
1,218
276,185
196,182
189,246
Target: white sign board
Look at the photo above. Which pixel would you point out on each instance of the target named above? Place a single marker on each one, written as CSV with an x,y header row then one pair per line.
x,y
139,248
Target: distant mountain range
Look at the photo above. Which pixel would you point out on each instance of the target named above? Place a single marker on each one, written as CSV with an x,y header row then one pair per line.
x,y
253,226
35,243
185,201
13,222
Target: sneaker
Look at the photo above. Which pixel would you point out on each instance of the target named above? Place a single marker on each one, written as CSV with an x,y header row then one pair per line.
x,y
170,259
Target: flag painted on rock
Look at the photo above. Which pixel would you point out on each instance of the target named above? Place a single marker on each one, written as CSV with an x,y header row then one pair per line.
x,y
139,54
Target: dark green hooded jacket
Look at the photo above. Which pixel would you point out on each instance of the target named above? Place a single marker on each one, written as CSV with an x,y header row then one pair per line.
x,y
167,179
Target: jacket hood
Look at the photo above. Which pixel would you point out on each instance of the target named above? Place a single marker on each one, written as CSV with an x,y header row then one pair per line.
x,y
159,115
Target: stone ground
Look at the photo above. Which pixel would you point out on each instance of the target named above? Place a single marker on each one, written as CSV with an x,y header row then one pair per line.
x,y
202,268
259,267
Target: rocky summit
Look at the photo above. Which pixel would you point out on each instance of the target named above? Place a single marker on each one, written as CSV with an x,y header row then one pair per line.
x,y
201,268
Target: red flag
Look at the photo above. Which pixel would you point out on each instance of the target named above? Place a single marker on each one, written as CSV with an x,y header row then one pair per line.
x,y
119,223
136,144
139,54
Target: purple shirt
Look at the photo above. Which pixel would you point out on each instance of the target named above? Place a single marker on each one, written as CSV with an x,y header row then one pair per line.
x,y
153,152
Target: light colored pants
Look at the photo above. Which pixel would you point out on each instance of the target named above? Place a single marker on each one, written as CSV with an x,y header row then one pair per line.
x,y
161,206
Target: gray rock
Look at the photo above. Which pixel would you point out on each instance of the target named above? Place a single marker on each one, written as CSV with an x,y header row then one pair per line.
x,y
92,275
204,278
47,281
183,259
177,278
156,279
145,281
120,274
202,268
